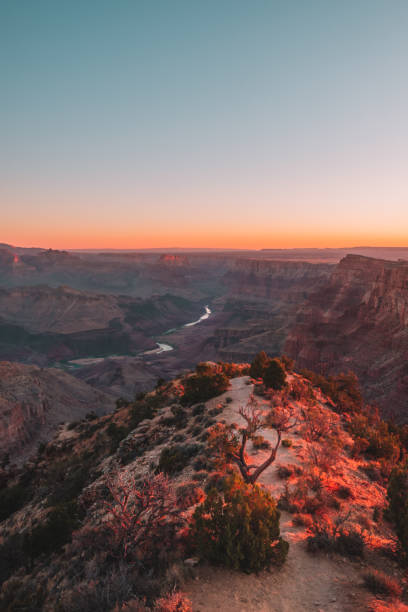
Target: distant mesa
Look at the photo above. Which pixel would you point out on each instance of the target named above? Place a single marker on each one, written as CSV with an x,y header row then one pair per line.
x,y
174,260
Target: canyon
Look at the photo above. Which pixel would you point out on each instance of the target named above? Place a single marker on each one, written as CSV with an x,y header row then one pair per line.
x,y
102,329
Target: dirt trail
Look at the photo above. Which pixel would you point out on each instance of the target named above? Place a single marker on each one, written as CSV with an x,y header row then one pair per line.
x,y
306,582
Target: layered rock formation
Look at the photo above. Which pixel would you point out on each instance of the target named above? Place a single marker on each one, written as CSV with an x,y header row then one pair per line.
x,y
34,401
262,302
359,321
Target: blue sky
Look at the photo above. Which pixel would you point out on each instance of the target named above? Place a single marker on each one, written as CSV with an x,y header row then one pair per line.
x,y
130,123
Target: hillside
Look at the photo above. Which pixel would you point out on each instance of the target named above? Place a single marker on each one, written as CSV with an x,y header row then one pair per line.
x,y
35,401
59,534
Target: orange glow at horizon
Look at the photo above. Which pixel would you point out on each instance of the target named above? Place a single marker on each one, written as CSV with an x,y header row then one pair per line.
x,y
198,240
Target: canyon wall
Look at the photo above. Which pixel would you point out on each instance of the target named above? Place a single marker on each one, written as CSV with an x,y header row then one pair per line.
x,y
359,321
34,401
262,300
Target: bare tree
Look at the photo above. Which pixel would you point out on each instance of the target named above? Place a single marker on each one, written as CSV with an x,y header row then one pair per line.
x,y
280,416
142,520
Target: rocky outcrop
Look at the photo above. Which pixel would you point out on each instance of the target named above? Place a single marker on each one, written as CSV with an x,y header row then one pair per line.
x,y
359,321
34,401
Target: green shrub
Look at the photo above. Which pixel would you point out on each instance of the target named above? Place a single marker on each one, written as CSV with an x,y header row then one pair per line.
x,y
258,365
174,458
198,410
397,512
204,385
239,528
274,376
140,411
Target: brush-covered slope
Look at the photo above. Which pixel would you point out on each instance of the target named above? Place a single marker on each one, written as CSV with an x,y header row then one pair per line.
x,y
71,539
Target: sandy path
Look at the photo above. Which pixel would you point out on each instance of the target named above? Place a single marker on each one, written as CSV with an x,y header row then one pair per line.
x,y
306,582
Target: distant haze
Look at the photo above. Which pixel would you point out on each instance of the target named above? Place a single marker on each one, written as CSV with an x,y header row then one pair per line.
x,y
224,123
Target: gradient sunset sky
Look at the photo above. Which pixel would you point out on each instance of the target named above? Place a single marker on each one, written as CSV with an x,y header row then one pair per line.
x,y
203,123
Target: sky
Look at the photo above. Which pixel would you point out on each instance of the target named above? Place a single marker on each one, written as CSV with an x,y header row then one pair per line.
x,y
203,123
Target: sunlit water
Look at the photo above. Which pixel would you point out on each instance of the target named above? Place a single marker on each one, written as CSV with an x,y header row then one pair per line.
x,y
161,347
202,318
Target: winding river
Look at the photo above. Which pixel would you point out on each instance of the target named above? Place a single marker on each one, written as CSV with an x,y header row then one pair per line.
x,y
161,347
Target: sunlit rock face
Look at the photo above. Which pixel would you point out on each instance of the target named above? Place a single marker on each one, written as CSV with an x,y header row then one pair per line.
x,y
359,321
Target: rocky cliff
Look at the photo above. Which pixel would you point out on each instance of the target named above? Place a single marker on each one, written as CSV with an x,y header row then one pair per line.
x,y
263,297
34,401
274,278
359,321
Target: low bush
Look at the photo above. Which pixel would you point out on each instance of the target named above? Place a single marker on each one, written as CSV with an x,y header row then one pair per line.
x,y
330,537
397,511
286,443
140,410
189,494
174,602
203,385
350,543
260,443
174,458
202,462
381,584
274,376
285,471
199,409
239,528
344,492
303,520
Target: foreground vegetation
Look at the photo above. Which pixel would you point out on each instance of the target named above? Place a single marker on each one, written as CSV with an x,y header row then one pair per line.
x,y
114,511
